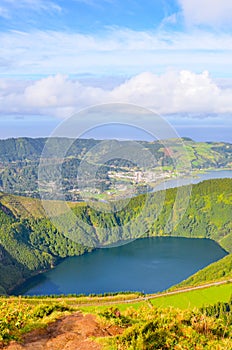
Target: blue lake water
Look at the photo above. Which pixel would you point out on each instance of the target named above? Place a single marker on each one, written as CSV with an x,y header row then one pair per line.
x,y
149,265
214,174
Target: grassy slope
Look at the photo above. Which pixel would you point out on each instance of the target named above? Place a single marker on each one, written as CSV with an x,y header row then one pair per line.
x,y
196,298
218,271
24,207
187,300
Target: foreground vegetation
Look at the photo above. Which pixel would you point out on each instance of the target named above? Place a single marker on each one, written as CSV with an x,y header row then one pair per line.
x,y
146,328
149,324
18,316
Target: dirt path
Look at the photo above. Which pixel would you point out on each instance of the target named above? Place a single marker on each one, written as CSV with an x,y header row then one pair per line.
x,y
189,289
72,332
155,296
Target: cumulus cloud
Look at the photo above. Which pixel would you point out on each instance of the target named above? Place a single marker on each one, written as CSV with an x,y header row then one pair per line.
x,y
173,92
207,12
176,92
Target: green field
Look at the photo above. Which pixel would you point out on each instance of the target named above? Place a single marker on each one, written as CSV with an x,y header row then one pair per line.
x,y
196,298
188,300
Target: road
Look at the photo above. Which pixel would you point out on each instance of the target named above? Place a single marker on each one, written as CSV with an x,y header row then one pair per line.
x,y
159,295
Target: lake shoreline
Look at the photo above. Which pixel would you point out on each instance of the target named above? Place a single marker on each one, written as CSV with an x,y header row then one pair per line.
x,y
40,278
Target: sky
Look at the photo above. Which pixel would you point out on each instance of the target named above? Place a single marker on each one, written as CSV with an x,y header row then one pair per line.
x,y
171,56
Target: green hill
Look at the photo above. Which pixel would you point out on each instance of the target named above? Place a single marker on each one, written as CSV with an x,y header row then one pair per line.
x,y
20,159
208,215
204,154
29,243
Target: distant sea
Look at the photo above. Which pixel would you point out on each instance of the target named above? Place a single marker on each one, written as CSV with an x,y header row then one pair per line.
x,y
42,127
207,133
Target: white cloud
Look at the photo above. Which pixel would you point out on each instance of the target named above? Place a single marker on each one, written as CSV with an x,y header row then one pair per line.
x,y
119,51
173,92
8,7
207,12
4,13
95,2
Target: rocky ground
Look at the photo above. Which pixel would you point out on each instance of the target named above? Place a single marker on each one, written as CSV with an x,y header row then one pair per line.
x,y
74,332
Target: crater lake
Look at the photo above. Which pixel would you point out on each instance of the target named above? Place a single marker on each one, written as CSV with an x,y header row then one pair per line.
x,y
147,265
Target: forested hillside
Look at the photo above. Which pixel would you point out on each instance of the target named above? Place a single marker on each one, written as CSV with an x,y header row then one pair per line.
x,y
208,215
30,243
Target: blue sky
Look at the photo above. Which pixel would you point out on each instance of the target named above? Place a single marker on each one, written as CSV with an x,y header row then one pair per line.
x,y
101,37
172,56
85,16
